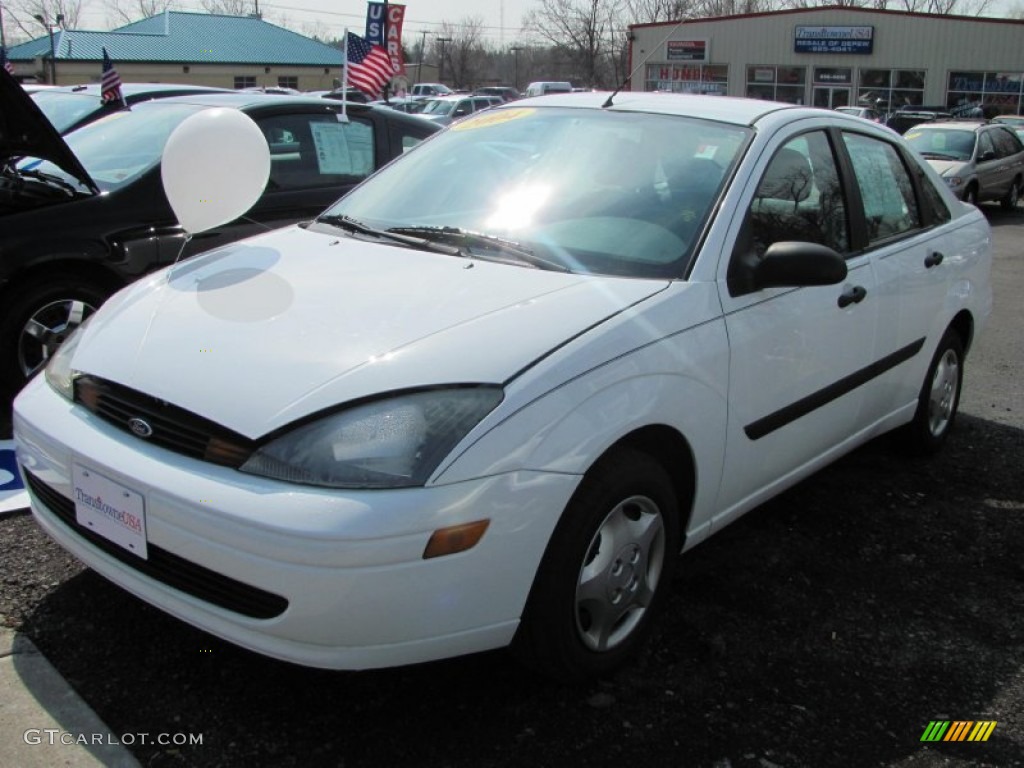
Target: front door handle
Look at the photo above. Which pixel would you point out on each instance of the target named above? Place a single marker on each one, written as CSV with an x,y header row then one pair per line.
x,y
854,295
933,260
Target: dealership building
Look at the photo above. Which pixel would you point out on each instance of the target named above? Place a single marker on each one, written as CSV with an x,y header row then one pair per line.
x,y
836,56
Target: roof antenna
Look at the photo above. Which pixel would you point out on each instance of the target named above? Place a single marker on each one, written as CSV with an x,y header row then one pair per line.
x,y
608,101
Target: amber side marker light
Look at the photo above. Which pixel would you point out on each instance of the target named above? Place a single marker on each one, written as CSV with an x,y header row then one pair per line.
x,y
455,538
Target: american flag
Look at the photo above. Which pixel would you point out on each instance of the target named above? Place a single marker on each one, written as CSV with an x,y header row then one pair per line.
x,y
369,66
5,62
111,84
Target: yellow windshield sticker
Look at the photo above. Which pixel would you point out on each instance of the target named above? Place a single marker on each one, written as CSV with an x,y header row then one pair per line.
x,y
486,119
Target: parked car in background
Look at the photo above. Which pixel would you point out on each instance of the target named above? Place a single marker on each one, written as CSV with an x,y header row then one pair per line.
x,y
1014,121
979,161
402,104
542,88
902,120
428,90
70,107
504,92
445,110
275,89
347,94
83,216
490,395
867,113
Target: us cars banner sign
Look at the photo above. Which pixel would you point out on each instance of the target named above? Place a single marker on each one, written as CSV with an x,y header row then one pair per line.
x,y
384,28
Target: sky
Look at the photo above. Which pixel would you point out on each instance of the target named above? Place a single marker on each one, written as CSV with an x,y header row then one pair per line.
x,y
502,18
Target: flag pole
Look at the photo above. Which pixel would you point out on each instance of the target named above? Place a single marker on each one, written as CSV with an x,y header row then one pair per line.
x,y
344,77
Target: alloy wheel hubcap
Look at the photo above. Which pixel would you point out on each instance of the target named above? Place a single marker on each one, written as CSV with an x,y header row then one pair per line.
x,y
620,573
942,398
46,330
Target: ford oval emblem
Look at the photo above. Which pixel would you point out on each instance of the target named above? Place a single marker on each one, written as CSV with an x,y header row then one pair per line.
x,y
140,427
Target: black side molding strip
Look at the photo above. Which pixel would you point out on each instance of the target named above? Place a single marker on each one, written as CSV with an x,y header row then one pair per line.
x,y
794,411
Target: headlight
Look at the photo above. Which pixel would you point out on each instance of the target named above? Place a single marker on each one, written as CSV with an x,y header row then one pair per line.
x,y
953,181
59,373
395,442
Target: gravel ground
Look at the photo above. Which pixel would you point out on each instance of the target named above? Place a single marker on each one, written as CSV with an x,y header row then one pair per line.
x,y
826,628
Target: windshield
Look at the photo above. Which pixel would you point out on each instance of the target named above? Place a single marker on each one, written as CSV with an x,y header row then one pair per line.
x,y
592,191
65,109
942,144
120,147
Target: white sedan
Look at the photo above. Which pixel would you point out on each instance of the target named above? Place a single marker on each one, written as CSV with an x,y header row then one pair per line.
x,y
487,398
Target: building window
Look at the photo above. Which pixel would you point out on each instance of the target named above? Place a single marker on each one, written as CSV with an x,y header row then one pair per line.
x,y
996,92
891,88
245,81
288,82
712,79
786,84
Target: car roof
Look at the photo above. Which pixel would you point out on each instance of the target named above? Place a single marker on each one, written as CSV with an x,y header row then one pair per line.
x,y
270,102
723,109
953,125
139,91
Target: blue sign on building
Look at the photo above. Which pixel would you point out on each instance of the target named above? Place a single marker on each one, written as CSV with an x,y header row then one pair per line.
x,y
834,40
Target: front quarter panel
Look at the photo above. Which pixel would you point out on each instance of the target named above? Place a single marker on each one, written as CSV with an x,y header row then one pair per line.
x,y
663,363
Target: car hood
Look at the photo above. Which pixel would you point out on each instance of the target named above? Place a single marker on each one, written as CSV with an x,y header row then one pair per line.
x,y
267,331
25,130
948,167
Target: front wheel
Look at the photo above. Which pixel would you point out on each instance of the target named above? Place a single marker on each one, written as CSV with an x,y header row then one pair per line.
x,y
939,398
38,321
971,195
605,572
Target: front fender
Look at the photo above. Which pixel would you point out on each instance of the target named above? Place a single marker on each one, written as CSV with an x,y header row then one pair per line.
x,y
680,382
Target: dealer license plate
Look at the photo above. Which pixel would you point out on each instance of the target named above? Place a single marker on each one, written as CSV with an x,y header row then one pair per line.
x,y
109,509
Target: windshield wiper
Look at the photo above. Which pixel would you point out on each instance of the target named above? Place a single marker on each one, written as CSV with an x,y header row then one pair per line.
x,y
939,155
354,225
49,178
484,243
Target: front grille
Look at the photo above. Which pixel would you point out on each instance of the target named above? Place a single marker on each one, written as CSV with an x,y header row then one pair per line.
x,y
166,567
172,427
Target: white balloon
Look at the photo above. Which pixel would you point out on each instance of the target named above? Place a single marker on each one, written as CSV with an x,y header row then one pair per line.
x,y
215,166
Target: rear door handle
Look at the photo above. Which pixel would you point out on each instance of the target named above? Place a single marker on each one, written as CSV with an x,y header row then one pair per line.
x,y
933,260
854,295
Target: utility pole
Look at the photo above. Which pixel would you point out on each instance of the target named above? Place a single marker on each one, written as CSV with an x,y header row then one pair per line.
x,y
515,53
53,52
3,39
440,67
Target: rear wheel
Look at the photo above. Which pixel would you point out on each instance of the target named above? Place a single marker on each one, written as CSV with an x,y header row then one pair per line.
x,y
605,572
939,399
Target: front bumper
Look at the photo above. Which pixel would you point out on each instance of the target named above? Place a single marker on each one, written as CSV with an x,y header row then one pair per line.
x,y
338,577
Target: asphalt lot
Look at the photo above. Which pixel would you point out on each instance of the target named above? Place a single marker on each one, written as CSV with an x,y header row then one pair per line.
x,y
827,628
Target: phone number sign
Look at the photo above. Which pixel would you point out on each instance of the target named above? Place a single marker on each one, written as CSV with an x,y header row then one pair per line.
x,y
835,40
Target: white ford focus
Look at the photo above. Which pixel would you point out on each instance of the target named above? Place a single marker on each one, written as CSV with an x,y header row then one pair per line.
x,y
488,397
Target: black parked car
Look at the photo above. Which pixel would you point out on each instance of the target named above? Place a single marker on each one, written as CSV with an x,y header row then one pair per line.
x,y
72,106
82,216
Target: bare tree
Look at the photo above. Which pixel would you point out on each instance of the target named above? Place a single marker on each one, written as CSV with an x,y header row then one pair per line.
x,y
120,12
463,50
229,7
651,11
583,29
22,15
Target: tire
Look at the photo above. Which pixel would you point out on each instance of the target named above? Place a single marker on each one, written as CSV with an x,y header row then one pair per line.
x,y
605,573
39,318
939,399
971,195
1009,201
